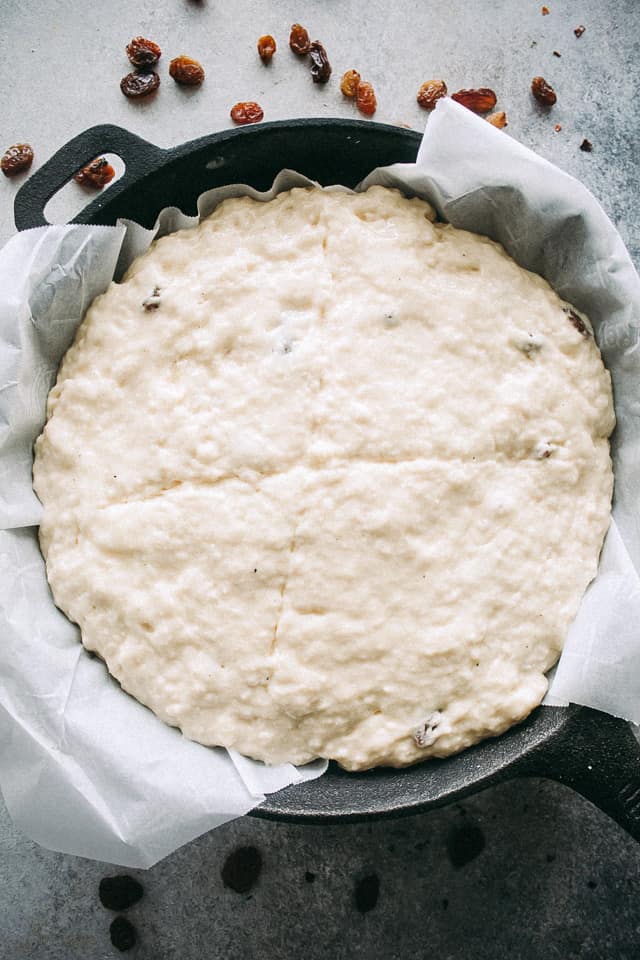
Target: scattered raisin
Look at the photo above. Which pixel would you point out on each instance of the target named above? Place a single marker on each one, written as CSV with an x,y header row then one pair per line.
x,y
349,83
481,100
320,66
545,11
266,48
299,40
543,91
366,99
579,31
186,71
247,111
143,53
556,54
430,92
577,322
366,893
16,159
558,127
310,877
137,85
119,892
498,119
586,146
123,934
96,174
241,869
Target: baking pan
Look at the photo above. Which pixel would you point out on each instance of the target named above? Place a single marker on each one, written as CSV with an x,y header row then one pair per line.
x,y
591,752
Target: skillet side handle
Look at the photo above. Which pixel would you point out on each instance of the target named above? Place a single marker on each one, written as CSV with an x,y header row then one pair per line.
x,y
139,156
598,756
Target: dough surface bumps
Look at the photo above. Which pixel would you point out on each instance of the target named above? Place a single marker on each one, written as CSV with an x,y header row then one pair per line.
x,y
323,477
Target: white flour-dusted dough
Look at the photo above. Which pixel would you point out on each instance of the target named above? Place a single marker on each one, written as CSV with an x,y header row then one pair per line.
x,y
324,478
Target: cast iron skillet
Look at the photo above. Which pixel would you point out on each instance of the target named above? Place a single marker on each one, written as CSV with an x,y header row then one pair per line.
x,y
591,752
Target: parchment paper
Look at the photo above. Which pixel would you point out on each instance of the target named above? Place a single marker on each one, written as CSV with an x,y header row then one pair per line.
x,y
87,770
84,768
481,180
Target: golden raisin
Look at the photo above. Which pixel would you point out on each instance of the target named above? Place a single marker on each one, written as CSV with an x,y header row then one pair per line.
x,y
366,99
247,111
543,91
320,66
545,11
96,174
299,40
577,322
349,83
136,85
430,92
266,48
143,53
481,100
16,159
186,71
498,119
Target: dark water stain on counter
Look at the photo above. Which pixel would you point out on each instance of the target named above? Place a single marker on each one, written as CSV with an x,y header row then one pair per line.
x,y
119,892
464,844
366,892
241,869
123,934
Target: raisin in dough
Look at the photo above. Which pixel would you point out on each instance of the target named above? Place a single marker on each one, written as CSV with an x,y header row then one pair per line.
x,y
337,489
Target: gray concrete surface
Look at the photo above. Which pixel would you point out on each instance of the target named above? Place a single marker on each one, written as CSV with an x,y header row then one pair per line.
x,y
555,878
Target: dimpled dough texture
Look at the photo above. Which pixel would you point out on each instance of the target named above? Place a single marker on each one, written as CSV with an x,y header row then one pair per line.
x,y
323,477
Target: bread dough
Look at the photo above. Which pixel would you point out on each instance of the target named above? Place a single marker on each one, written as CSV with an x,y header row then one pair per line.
x,y
323,477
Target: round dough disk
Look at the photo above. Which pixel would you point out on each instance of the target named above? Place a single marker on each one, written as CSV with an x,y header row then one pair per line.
x,y
323,477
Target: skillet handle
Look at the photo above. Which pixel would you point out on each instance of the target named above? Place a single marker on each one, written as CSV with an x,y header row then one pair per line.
x,y
597,755
138,155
